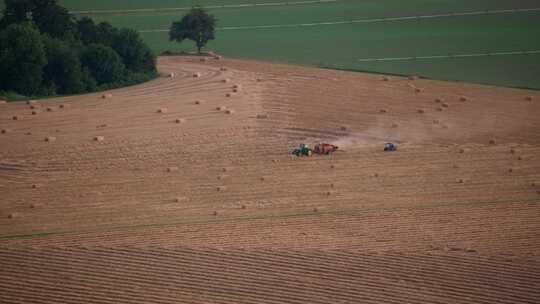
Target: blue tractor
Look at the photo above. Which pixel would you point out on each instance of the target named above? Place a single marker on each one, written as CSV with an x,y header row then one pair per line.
x,y
390,147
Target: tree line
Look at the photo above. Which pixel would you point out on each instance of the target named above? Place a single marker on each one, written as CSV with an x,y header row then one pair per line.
x,y
45,51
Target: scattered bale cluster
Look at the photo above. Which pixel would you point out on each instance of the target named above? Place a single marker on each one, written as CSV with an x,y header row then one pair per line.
x,y
50,138
162,110
99,138
180,120
172,169
262,116
196,75
106,96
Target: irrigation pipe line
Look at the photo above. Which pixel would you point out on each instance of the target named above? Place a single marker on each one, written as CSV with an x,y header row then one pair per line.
x,y
259,27
451,56
172,9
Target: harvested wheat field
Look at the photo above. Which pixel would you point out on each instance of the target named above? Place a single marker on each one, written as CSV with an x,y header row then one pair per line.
x,y
127,205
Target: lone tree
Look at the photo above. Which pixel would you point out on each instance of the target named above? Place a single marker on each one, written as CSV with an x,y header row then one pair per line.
x,y
197,25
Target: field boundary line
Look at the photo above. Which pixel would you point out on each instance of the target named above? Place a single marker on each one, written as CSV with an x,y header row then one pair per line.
x,y
252,218
172,9
463,55
374,20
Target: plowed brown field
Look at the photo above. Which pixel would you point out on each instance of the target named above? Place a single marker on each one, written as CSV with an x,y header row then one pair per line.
x,y
149,196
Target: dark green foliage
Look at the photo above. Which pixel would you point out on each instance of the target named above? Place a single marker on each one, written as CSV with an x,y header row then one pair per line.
x,y
22,58
103,63
136,56
63,70
197,25
44,51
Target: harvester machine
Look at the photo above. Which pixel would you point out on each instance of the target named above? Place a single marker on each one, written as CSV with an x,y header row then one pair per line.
x,y
324,148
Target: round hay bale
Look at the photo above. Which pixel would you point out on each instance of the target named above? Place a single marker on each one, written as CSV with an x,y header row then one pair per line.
x,y
172,169
463,98
510,170
262,116
196,75
315,210
35,112
15,117
438,100
32,206
221,188
461,180
383,111
226,169
222,177
395,125
413,77
204,59
13,215
445,105
243,207
436,121
228,95
34,186
513,151
50,138
215,213
162,110
50,109
171,75
106,96
259,80
235,90
221,108
4,131
180,120
99,138
520,158
463,150
230,111
332,166
492,141
199,102
376,175
237,86
63,106
35,106
418,90
385,78
421,111
440,109
226,80
31,102
328,193
179,199
223,69
529,98
344,128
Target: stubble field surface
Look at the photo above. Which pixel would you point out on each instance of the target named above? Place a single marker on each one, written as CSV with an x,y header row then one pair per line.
x,y
155,195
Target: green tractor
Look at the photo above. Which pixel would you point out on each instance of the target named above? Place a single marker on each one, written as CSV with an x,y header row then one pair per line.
x,y
303,150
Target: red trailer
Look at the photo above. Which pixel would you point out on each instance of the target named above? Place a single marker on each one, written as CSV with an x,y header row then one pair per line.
x,y
324,148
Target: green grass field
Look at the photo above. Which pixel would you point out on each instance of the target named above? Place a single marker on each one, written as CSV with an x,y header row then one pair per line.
x,y
342,45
